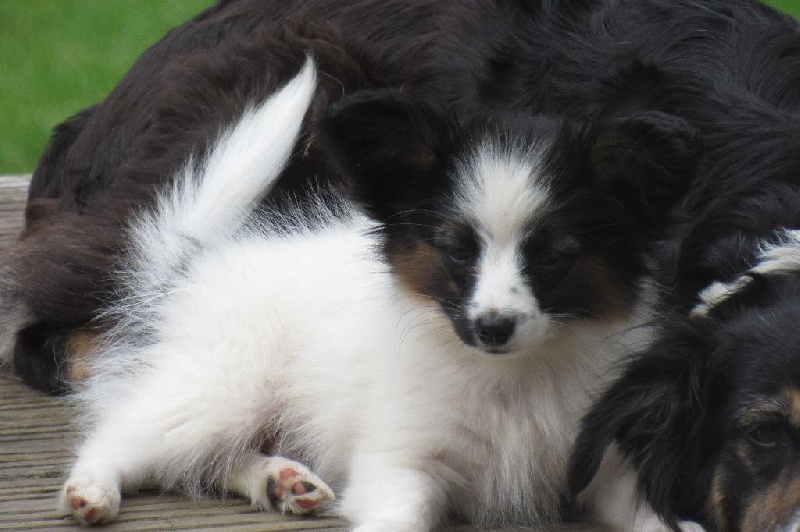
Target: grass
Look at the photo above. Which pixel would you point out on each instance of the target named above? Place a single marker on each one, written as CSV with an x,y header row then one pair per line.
x,y
59,56
789,6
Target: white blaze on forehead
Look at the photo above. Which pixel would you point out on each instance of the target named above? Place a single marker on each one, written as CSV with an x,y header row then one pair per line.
x,y
503,192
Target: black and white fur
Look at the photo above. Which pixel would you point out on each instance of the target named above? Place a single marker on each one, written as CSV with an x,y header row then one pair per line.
x,y
593,57
427,361
709,415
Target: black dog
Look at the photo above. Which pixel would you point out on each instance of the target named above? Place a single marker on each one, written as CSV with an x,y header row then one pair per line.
x,y
597,58
709,415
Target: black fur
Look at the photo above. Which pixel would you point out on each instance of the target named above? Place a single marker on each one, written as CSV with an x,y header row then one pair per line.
x,y
679,412
690,409
610,180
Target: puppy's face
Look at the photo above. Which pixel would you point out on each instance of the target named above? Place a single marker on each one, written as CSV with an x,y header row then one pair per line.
x,y
518,244
710,417
513,226
755,482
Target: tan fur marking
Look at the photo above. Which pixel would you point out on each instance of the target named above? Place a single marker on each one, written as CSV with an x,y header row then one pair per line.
x,y
81,347
419,267
717,499
614,303
792,398
775,507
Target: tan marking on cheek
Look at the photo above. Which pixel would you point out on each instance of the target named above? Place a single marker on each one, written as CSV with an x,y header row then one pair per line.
x,y
611,297
792,398
773,508
420,269
81,347
716,501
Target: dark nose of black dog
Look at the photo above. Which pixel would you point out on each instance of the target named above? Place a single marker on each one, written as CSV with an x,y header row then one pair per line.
x,y
494,330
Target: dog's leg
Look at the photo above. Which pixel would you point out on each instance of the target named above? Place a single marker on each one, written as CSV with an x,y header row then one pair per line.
x,y
193,417
383,497
613,500
281,484
121,454
90,499
114,460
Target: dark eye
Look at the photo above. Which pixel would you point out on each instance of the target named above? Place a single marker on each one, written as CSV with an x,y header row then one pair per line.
x,y
766,435
558,254
459,255
549,259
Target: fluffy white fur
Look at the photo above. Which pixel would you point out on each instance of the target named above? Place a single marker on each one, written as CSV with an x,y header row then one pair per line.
x,y
290,329
503,191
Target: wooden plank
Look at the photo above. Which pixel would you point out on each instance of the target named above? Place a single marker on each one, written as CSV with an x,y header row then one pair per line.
x,y
31,475
13,194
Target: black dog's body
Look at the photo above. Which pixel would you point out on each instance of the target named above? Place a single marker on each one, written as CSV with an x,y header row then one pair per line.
x,y
566,56
709,415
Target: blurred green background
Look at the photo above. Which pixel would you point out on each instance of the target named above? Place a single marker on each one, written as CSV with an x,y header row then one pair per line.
x,y
59,56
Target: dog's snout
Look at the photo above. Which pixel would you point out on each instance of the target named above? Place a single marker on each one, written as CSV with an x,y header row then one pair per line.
x,y
494,330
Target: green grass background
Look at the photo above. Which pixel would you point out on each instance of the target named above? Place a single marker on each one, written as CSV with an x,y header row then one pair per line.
x,y
59,56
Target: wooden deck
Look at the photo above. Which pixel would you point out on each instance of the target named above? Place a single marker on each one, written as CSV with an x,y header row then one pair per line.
x,y
37,441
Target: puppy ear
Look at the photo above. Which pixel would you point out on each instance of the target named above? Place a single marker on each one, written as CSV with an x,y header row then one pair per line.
x,y
646,161
390,147
655,414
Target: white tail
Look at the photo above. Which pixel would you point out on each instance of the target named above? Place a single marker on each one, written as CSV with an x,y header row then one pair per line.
x,y
246,160
211,199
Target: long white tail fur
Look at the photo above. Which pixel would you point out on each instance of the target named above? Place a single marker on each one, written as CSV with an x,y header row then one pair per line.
x,y
210,199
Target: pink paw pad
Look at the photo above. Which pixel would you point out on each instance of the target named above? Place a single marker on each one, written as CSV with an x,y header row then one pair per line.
x,y
296,492
88,507
84,515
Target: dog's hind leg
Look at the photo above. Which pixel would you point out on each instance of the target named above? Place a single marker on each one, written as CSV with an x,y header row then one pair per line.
x,y
91,501
281,484
92,495
192,417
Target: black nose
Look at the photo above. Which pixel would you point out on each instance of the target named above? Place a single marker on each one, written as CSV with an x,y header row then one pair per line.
x,y
494,330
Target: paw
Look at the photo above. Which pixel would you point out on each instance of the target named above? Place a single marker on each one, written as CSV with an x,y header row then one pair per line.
x,y
295,489
690,526
289,487
89,503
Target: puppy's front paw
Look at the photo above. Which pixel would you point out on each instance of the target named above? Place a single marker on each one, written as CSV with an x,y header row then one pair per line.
x,y
88,502
690,526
